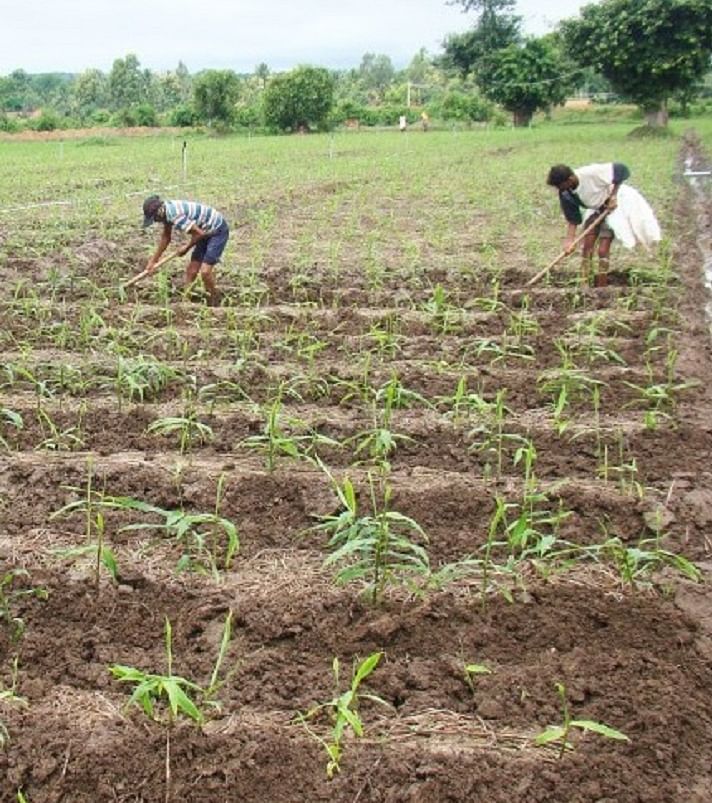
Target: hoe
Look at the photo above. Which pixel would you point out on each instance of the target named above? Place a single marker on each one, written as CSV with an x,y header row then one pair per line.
x,y
597,219
144,273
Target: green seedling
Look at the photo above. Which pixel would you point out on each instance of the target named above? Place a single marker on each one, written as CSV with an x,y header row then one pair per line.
x,y
343,708
9,418
11,697
376,548
181,696
488,436
658,399
626,468
142,378
167,697
522,324
10,594
393,395
385,338
445,317
276,441
461,402
501,352
565,386
190,430
497,522
635,565
560,733
56,439
379,443
210,541
91,504
473,671
223,392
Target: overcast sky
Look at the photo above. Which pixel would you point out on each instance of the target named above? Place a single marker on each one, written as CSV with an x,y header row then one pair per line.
x,y
73,35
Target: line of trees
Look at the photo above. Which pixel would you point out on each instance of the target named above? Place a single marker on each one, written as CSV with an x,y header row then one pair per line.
x,y
308,97
646,51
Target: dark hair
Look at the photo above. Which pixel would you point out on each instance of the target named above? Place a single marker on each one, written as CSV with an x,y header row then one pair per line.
x,y
151,205
558,175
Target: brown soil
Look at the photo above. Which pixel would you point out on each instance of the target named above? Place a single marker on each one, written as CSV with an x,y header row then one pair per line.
x,y
637,658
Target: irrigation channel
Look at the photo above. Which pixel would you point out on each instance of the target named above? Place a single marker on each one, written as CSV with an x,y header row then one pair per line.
x,y
700,178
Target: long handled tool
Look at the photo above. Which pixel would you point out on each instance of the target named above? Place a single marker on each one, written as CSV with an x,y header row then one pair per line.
x,y
570,249
144,273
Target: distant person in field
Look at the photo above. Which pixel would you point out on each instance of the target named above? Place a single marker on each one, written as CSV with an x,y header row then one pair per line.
x,y
598,188
208,232
425,120
402,122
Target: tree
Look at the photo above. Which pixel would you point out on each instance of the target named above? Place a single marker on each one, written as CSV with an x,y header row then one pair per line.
x,y
91,92
376,73
262,73
647,49
215,93
16,92
495,29
420,67
524,78
127,82
299,99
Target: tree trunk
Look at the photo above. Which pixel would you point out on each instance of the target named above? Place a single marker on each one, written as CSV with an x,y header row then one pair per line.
x,y
658,117
521,118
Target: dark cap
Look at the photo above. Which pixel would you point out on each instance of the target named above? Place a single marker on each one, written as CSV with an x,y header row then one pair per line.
x,y
150,206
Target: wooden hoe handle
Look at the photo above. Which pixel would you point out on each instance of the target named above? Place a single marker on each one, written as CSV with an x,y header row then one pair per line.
x,y
144,273
570,250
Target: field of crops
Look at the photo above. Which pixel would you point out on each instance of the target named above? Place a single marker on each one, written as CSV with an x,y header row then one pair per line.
x,y
389,524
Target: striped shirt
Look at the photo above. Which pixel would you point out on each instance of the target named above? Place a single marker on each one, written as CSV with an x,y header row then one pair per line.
x,y
186,214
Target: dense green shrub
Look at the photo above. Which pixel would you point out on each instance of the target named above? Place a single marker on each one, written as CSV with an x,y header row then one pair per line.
x,y
146,115
182,116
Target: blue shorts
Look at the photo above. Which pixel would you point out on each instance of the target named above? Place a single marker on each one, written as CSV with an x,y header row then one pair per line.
x,y
209,249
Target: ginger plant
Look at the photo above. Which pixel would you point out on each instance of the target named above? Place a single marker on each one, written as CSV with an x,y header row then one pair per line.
x,y
188,427
91,504
9,418
165,698
560,733
209,541
9,594
472,671
343,708
9,695
376,548
276,440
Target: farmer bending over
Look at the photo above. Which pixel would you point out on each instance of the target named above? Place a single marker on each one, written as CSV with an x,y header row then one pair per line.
x,y
594,187
208,232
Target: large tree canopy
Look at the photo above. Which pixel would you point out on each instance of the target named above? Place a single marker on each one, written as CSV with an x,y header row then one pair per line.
x,y
647,49
127,82
215,93
525,78
299,99
495,28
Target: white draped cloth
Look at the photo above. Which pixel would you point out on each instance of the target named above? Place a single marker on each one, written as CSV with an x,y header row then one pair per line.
x,y
633,221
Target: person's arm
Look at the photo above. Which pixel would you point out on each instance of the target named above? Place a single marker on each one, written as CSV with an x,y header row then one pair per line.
x,y
162,245
620,174
572,213
196,234
570,237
